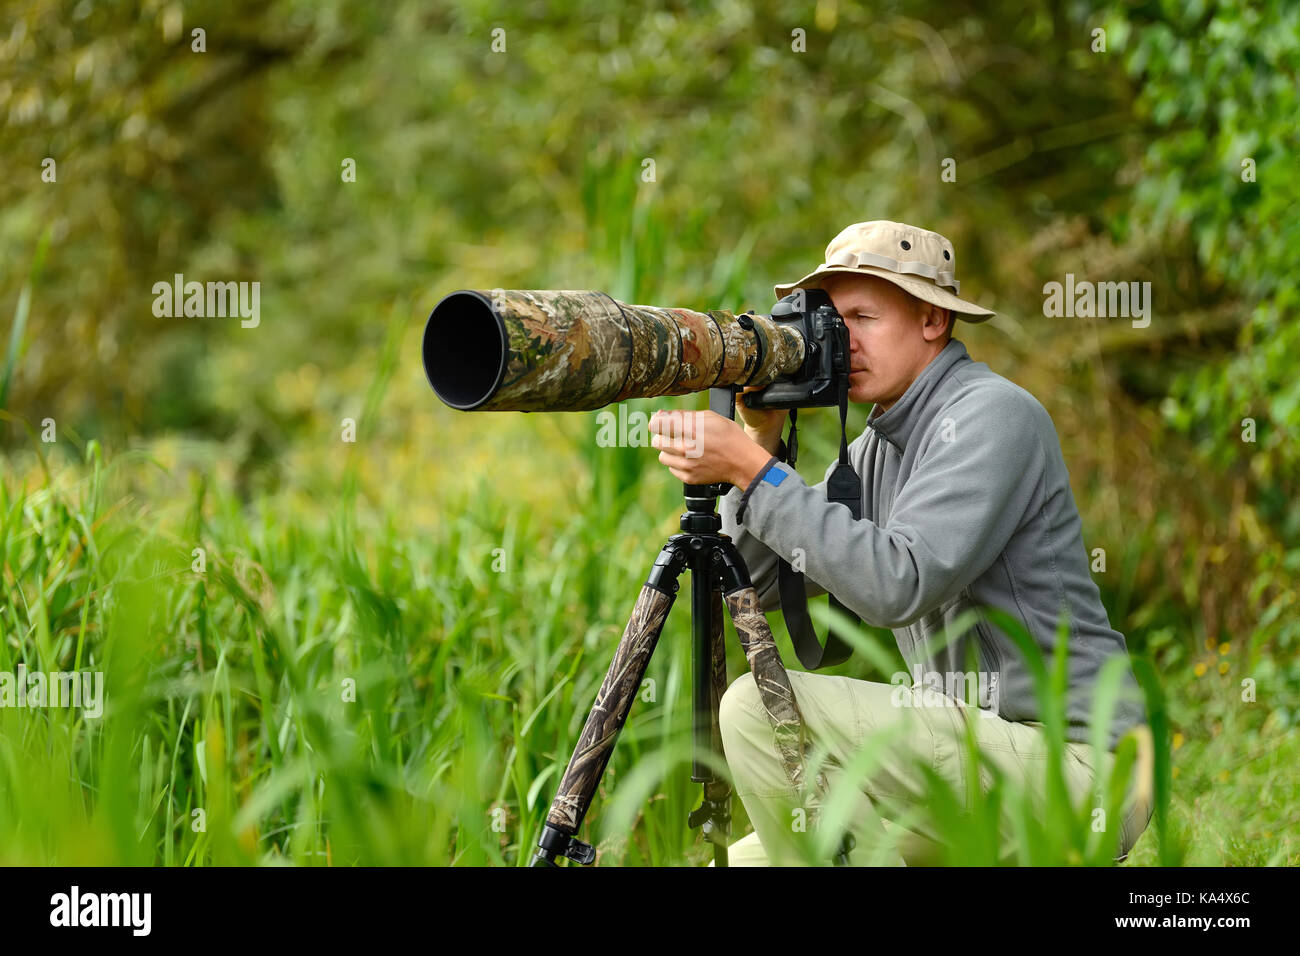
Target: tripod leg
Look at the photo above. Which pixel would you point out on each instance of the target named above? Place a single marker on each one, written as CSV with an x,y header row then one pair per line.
x,y
714,813
718,791
718,655
778,698
608,714
772,681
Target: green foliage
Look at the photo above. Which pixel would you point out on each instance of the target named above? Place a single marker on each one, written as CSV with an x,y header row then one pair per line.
x,y
373,562
1218,87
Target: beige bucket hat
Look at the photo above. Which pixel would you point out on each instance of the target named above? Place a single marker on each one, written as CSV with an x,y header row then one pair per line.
x,y
916,260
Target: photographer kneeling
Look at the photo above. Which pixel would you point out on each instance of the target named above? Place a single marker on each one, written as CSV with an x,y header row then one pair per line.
x,y
966,502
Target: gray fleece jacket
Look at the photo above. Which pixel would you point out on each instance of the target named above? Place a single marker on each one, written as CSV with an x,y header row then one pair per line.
x,y
966,503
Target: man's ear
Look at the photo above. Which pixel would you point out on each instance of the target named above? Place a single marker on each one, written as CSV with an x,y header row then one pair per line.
x,y
931,311
947,316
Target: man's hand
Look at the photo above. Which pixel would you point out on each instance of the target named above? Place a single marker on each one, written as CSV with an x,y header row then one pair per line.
x,y
764,425
701,448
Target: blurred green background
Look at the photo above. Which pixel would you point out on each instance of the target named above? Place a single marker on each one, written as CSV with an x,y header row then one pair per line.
x,y
471,574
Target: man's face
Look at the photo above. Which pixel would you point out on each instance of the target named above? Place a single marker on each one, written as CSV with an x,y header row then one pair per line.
x,y
892,335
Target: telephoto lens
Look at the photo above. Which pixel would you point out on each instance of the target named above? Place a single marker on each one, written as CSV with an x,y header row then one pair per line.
x,y
530,350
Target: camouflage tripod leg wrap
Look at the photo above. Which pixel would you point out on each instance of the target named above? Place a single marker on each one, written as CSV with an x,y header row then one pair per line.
x,y
626,671
776,693
608,714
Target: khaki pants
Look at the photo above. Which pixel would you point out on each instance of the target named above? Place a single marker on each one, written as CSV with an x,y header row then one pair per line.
x,y
846,715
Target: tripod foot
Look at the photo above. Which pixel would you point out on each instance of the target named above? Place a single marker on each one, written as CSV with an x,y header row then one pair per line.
x,y
556,842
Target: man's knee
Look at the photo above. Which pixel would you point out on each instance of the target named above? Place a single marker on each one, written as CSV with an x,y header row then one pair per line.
x,y
739,706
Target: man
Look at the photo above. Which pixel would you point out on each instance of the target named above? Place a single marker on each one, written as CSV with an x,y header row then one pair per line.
x,y
966,504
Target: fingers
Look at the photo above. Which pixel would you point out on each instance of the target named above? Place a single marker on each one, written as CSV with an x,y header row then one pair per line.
x,y
679,468
681,447
673,422
682,433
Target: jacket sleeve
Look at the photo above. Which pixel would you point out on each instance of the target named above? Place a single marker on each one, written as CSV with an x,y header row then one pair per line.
x,y
978,467
759,558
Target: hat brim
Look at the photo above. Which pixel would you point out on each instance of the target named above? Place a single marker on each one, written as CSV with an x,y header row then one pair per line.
x,y
927,291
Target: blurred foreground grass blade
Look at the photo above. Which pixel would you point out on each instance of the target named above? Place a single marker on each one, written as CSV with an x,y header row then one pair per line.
x,y
14,350
1171,851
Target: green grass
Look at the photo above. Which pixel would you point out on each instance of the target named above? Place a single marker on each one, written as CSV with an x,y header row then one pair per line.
x,y
228,691
226,688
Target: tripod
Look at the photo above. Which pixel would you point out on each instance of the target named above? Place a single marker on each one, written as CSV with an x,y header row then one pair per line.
x,y
718,576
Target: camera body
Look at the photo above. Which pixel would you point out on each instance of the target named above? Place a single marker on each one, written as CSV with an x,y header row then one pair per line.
x,y
826,353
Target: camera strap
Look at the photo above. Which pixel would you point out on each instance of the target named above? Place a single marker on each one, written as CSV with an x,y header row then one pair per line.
x,y
844,487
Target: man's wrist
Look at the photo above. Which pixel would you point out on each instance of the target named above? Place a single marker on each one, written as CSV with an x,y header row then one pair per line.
x,y
752,462
770,442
